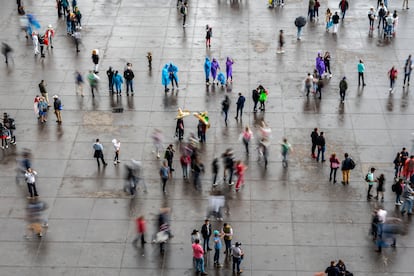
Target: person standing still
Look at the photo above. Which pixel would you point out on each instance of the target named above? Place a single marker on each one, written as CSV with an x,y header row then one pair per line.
x,y
321,147
314,136
129,79
57,105
237,253
361,70
281,43
240,106
198,255
346,169
117,147
334,165
335,21
392,74
227,233
31,182
164,174
343,86
225,106
408,67
110,73
95,60
371,180
98,154
206,233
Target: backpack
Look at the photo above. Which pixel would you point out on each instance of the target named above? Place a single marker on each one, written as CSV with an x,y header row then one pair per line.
x,y
351,164
11,123
381,12
366,178
394,187
182,9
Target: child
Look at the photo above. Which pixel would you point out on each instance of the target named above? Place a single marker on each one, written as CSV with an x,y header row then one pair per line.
x,y
281,43
217,248
221,79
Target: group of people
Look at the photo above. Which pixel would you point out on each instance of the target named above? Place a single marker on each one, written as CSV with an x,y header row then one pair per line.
x,y
213,68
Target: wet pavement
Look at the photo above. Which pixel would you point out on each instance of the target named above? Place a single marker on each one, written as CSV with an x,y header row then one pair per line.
x,y
290,221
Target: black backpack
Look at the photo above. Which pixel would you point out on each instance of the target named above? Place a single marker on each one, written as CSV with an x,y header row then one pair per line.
x,y
182,9
381,12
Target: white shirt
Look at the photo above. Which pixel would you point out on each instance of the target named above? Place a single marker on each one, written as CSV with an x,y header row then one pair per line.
x,y
30,177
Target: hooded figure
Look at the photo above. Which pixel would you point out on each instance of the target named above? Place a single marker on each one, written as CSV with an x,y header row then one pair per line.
x,y
214,67
221,78
207,69
320,65
118,82
165,79
172,74
229,69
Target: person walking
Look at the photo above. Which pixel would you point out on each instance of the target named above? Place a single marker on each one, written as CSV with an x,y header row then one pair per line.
x,y
215,67
343,86
169,156
380,187
95,60
93,82
408,195
371,19
35,38
392,74
206,233
77,38
335,21
172,73
129,79
227,233
98,154
237,253
50,34
343,6
334,165
229,69
398,188
198,256
240,105
281,42
141,225
327,61
361,70
228,160
117,80
79,83
117,147
215,170
225,106
6,51
332,270
347,165
314,136
405,4
185,161
311,10
328,21
184,12
110,74
308,84
43,91
43,109
246,137
286,148
165,174
408,169
240,169
320,142
57,105
217,247
370,179
408,67
209,34
30,176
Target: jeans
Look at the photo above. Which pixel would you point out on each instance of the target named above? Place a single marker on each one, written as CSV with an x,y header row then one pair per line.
x,y
32,189
407,77
299,32
321,149
361,76
239,109
164,182
200,265
397,198
255,105
206,245
185,170
333,170
228,245
392,82
236,262
216,256
129,84
407,205
342,94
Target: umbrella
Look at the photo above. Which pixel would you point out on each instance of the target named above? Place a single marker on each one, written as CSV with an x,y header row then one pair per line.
x,y
300,21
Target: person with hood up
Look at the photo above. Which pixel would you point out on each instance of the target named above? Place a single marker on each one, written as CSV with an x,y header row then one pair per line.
x,y
214,68
117,79
165,78
172,73
207,69
229,69
320,65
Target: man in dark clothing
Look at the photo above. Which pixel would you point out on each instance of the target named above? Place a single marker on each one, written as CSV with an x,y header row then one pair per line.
x,y
228,160
43,91
206,232
169,156
129,76
332,270
110,74
320,142
314,135
225,104
343,86
240,105
57,105
6,50
255,97
346,168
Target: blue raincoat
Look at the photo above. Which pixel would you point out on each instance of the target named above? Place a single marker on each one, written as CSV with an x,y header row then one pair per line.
x,y
165,79
117,79
172,69
207,67
221,78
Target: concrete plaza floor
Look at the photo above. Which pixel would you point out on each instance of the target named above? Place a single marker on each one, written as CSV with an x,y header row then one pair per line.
x,y
290,221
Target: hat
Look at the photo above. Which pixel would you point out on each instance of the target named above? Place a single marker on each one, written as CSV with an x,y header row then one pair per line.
x,y
216,232
181,114
55,96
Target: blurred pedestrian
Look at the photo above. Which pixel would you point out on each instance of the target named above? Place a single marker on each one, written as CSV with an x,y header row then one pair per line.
x,y
31,182
215,170
392,74
98,152
308,84
6,50
184,12
408,196
228,160
334,165
141,225
185,161
149,59
129,79
405,4
169,156
93,82
207,70
311,9
240,105
246,137
165,174
240,170
79,83
117,147
197,169
343,6
229,69
57,105
408,170
77,39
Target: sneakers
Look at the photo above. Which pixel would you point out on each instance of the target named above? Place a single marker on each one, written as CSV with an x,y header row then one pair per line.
x,y
231,184
397,204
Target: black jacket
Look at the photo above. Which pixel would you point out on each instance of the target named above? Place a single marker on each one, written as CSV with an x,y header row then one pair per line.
x,y
314,135
204,231
128,74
